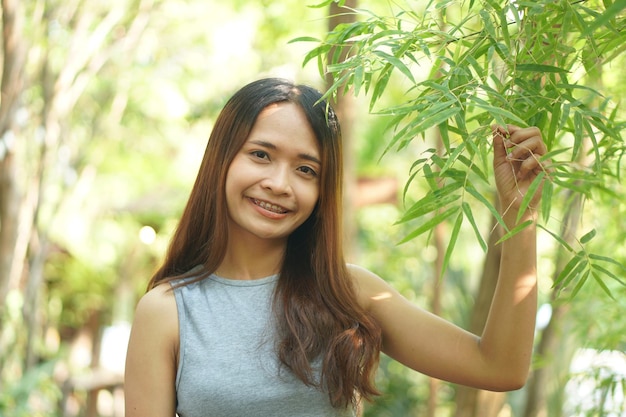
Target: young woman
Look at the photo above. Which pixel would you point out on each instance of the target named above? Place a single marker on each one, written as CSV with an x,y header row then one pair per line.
x,y
254,311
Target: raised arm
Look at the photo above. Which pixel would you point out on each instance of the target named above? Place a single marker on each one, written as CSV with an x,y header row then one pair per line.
x,y
149,386
499,359
509,331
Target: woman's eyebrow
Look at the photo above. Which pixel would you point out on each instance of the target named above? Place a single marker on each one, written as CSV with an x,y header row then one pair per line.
x,y
310,157
270,145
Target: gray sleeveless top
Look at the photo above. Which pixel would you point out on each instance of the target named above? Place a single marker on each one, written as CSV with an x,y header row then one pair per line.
x,y
228,366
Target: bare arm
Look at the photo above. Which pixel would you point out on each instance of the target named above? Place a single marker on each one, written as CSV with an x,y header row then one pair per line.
x,y
152,356
509,332
499,359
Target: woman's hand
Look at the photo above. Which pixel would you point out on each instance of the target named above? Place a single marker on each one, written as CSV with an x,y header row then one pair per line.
x,y
516,164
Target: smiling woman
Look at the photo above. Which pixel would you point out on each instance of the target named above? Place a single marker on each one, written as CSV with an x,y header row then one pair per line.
x,y
272,184
255,311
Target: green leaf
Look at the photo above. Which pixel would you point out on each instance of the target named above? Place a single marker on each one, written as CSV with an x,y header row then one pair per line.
x,y
357,80
304,39
504,27
578,134
604,19
472,191
580,283
546,200
569,269
320,5
473,167
453,238
425,121
514,231
587,237
401,66
429,225
539,68
601,284
431,202
558,238
488,24
497,111
452,157
607,273
554,153
530,193
445,135
596,257
430,177
318,52
470,216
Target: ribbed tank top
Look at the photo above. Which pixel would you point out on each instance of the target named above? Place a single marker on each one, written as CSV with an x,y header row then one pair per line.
x,y
228,366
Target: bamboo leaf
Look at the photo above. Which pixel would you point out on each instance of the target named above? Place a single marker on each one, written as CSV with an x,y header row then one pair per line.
x,y
604,19
546,200
397,63
608,260
568,269
530,193
453,238
430,177
472,191
607,273
473,167
514,231
415,128
601,283
470,217
316,53
540,68
381,84
452,157
429,225
445,135
496,111
554,153
557,238
406,186
357,81
578,134
554,124
431,202
305,39
580,283
587,237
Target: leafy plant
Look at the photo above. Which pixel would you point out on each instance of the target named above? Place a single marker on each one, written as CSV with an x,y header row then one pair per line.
x,y
467,64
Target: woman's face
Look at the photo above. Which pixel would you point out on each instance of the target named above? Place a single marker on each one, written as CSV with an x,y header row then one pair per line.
x,y
272,184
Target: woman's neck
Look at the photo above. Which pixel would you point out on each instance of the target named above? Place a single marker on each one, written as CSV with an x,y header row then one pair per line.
x,y
247,259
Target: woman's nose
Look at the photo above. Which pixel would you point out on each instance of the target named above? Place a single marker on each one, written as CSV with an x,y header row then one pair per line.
x,y
277,180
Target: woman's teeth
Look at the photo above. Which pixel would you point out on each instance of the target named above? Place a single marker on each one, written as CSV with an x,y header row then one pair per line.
x,y
270,207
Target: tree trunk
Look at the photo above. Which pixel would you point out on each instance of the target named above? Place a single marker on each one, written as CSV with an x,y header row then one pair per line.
x,y
10,193
344,106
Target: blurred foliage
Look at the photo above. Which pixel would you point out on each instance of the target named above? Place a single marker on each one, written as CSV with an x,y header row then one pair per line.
x,y
132,88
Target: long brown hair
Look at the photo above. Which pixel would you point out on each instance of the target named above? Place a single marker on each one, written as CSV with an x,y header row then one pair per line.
x,y
318,316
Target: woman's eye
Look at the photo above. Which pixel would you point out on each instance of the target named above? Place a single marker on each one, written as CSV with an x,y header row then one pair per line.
x,y
308,170
260,154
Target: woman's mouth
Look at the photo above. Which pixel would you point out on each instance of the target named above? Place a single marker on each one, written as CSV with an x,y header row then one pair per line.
x,y
269,206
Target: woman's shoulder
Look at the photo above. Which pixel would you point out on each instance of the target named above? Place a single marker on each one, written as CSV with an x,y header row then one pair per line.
x,y
369,286
157,298
156,310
